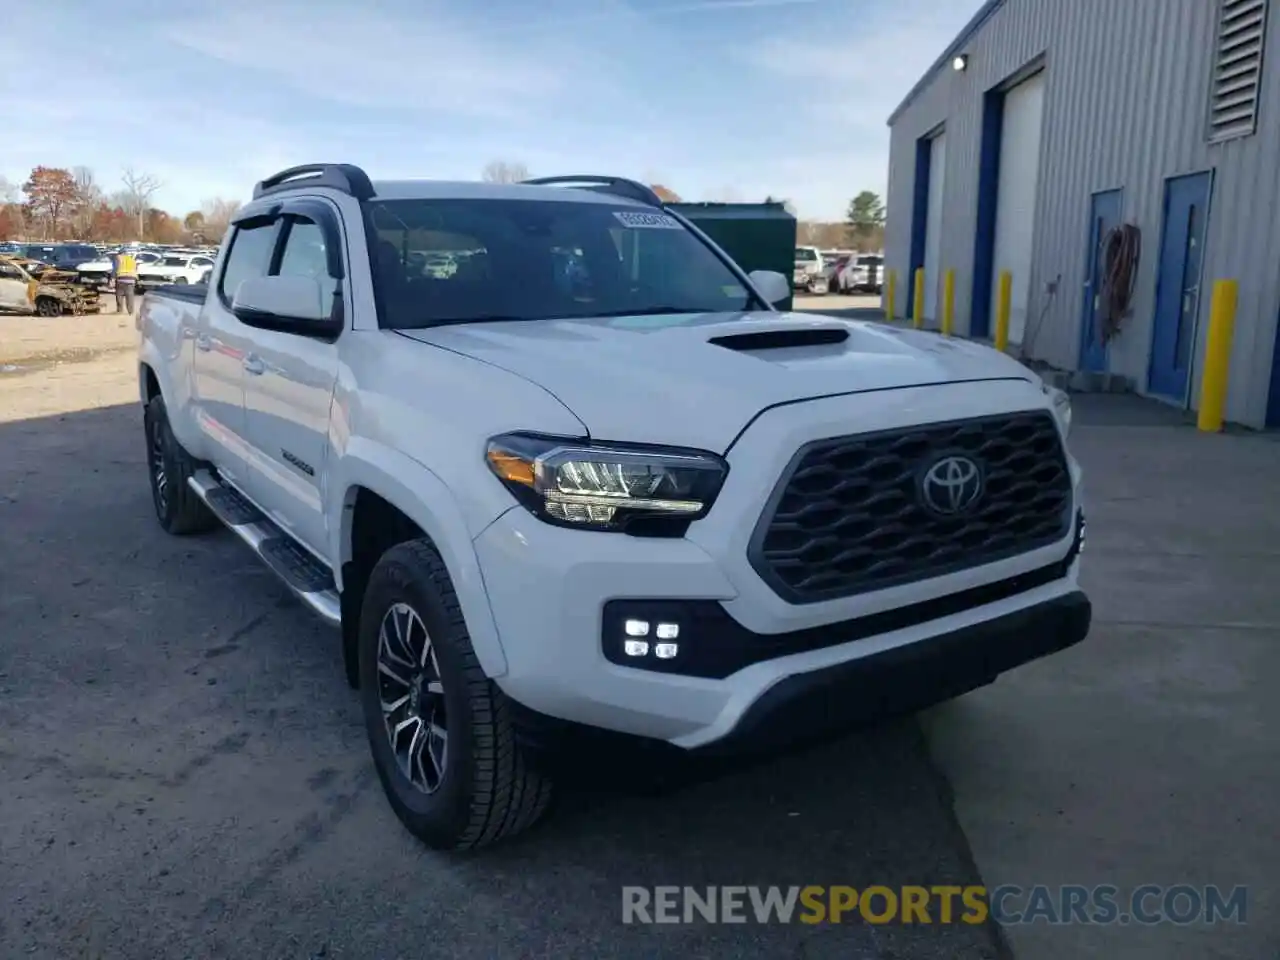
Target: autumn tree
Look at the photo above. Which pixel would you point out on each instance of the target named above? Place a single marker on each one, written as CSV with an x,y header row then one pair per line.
x,y
11,226
88,196
866,220
51,199
161,227
217,214
139,188
110,223
665,194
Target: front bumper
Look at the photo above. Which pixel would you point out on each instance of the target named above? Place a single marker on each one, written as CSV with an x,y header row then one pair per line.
x,y
560,632
560,598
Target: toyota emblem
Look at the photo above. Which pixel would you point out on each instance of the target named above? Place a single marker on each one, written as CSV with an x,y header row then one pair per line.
x,y
952,485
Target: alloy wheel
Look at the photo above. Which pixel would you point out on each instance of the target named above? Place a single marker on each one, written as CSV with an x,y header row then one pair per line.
x,y
412,696
159,474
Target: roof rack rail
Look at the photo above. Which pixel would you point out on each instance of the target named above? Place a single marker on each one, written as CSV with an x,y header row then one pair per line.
x,y
619,186
345,177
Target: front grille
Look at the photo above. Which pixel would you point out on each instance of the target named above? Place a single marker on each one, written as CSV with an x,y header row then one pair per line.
x,y
850,514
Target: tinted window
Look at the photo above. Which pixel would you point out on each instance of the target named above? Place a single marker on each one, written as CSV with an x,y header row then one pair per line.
x,y
805,253
250,257
81,253
304,255
454,261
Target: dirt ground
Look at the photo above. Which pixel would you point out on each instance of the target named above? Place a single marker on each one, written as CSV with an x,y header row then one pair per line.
x,y
33,341
186,773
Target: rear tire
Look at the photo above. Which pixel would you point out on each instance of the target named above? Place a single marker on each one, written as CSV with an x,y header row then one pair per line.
x,y
467,784
177,507
48,307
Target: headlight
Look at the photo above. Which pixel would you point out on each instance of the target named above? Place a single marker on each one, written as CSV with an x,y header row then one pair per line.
x,y
597,486
1061,406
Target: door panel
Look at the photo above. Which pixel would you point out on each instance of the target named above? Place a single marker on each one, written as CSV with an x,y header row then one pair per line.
x,y
1186,216
289,382
1104,216
221,348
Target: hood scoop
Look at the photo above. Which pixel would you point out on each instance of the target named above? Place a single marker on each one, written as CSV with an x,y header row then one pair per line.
x,y
782,339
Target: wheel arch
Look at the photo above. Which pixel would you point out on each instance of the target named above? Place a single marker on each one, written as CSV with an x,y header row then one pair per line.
x,y
405,499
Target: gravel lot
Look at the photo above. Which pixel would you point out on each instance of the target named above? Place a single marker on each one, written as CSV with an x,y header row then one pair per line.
x,y
186,772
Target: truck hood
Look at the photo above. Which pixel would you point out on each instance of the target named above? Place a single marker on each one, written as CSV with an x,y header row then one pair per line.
x,y
697,380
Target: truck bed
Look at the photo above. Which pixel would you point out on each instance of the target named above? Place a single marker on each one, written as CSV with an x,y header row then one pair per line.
x,y
190,292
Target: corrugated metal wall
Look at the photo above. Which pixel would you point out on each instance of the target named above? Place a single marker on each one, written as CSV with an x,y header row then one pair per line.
x,y
1125,107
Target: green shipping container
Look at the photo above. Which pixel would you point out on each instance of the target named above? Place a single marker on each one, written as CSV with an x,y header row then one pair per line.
x,y
758,236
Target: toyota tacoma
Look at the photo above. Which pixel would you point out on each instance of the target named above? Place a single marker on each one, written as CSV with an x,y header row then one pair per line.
x,y
591,487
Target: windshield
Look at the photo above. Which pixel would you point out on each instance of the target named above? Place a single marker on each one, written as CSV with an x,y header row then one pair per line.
x,y
806,253
175,261
459,261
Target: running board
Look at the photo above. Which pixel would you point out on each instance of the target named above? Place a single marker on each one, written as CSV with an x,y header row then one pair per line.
x,y
302,573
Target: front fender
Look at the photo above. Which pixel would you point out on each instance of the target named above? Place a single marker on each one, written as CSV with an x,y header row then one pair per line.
x,y
424,498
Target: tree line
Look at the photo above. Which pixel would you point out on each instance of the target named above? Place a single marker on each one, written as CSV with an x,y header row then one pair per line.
x,y
58,203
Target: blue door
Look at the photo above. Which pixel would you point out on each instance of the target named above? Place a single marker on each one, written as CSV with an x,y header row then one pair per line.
x,y
1186,213
1104,216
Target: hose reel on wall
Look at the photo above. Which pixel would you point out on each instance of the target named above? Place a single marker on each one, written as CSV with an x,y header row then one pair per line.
x,y
1119,255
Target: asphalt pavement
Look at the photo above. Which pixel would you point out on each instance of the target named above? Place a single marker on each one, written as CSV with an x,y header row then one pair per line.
x,y
186,772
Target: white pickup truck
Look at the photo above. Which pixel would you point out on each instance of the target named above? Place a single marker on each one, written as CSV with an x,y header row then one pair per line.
x,y
590,489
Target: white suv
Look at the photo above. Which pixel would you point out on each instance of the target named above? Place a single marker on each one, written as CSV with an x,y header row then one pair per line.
x,y
591,487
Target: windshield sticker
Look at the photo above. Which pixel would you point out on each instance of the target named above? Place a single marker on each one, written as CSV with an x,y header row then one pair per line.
x,y
655,221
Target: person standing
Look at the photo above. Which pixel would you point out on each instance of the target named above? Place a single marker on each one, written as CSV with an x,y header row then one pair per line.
x,y
124,276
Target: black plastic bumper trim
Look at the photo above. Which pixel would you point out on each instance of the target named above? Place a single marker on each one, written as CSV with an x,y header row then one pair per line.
x,y
908,678
837,699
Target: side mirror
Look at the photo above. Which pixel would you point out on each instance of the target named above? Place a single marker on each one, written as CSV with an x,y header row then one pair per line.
x,y
289,304
773,286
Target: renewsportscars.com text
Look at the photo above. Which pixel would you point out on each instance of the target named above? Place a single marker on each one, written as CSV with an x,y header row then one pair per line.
x,y
1148,904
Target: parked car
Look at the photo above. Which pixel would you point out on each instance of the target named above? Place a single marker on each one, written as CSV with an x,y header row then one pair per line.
x,y
862,274
173,268
31,286
641,510
64,256
810,275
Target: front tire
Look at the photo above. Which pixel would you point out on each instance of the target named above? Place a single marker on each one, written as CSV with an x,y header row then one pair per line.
x,y
177,507
441,732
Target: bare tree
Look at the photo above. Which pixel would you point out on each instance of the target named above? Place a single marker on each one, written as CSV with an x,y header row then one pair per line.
x,y
139,188
217,215
88,196
505,171
8,191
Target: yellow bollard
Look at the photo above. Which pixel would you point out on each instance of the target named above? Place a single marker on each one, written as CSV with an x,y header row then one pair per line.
x,y
1003,303
948,302
917,309
1217,356
890,283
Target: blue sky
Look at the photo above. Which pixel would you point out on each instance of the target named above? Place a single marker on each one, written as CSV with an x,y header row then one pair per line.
x,y
718,99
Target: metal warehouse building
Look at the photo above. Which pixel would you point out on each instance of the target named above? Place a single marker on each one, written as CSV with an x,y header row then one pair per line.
x,y
1049,123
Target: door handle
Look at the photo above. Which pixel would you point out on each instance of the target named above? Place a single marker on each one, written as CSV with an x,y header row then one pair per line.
x,y
203,342
253,365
